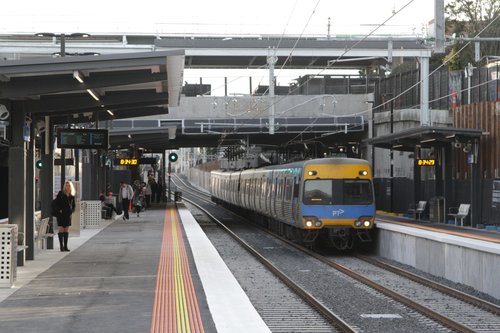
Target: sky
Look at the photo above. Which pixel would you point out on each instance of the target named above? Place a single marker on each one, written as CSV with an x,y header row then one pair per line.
x,y
219,17
215,16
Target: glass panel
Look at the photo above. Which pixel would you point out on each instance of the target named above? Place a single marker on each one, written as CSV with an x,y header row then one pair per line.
x,y
318,192
357,192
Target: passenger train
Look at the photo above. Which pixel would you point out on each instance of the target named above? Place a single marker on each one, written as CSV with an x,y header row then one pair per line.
x,y
329,200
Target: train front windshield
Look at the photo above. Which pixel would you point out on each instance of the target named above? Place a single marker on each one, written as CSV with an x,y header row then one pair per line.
x,y
338,192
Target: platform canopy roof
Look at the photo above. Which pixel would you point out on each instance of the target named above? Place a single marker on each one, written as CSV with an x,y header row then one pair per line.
x,y
81,89
426,137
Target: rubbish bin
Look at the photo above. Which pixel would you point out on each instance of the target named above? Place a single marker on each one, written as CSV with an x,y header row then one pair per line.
x,y
8,251
177,196
436,210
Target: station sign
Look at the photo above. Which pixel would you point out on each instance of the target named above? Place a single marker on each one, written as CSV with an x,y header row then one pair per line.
x,y
135,161
426,162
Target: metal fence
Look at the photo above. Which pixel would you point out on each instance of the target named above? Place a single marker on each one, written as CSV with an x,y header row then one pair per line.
x,y
447,90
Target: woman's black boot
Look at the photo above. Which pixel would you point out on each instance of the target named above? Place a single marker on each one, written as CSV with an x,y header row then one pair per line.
x,y
66,235
61,238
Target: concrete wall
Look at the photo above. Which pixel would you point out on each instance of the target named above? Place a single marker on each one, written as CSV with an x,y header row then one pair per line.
x,y
258,106
471,262
403,120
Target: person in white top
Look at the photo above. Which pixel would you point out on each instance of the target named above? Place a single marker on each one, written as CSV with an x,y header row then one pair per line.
x,y
125,194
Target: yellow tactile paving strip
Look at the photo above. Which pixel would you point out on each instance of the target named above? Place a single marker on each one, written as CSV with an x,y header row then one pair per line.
x,y
175,307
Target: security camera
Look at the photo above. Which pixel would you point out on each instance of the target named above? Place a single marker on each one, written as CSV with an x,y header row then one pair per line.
x,y
4,113
40,126
457,145
467,148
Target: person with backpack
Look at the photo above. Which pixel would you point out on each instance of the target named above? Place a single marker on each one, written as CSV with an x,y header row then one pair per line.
x,y
64,206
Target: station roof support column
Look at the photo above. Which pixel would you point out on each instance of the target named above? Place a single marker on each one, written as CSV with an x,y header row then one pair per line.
x,y
17,177
425,117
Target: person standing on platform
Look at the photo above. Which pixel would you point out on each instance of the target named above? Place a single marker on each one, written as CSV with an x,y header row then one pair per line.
x,y
125,194
66,206
159,190
148,192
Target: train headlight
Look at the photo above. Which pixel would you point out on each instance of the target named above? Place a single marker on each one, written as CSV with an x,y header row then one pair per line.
x,y
363,172
311,221
363,221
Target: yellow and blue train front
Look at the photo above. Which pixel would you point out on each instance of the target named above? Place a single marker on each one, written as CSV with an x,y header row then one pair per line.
x,y
338,194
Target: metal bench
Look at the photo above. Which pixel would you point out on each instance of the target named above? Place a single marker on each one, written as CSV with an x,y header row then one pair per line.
x,y
42,232
21,246
418,210
460,212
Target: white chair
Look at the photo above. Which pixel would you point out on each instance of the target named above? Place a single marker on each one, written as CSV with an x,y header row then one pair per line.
x,y
460,212
42,233
418,210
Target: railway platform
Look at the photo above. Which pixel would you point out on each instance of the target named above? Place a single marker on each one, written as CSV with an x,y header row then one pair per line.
x,y
153,273
460,254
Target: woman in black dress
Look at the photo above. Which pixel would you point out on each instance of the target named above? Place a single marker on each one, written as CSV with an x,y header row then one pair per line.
x,y
66,206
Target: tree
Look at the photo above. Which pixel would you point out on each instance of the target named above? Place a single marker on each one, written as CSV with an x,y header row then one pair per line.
x,y
467,18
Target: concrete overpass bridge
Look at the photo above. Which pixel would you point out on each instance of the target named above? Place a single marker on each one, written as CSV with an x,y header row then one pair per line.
x,y
215,120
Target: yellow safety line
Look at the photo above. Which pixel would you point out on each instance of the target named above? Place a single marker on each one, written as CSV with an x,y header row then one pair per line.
x,y
175,309
180,292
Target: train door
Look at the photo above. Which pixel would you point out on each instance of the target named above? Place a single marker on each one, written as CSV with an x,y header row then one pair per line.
x,y
283,196
266,194
258,191
272,194
295,199
254,193
277,199
239,189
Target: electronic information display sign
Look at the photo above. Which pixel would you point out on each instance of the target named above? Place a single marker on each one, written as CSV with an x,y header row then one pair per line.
x,y
82,138
135,161
426,162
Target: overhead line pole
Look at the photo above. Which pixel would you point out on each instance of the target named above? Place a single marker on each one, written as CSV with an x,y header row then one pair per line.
x,y
271,60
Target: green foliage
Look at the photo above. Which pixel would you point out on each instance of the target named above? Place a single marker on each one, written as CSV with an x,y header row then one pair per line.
x,y
468,18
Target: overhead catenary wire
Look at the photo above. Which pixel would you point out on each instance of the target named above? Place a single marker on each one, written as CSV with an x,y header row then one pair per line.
x,y
370,111
330,64
395,97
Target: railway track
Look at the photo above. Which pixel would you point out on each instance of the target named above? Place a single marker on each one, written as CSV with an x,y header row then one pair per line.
x,y
449,307
289,316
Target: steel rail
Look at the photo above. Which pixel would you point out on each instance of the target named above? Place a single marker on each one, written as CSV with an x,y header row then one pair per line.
x,y
315,303
493,308
448,322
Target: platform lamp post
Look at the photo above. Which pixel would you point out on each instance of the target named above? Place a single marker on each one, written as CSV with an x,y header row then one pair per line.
x,y
47,190
172,157
62,53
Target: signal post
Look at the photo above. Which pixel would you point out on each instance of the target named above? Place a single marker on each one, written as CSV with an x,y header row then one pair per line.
x,y
172,157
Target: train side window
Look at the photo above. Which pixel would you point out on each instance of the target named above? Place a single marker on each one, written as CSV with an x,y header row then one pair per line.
x,y
357,192
288,189
296,187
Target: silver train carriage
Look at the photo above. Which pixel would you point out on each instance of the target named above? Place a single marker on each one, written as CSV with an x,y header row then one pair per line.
x,y
328,199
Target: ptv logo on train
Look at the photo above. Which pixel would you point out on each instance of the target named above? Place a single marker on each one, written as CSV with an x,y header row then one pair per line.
x,y
338,212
